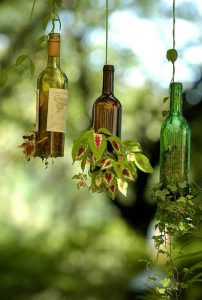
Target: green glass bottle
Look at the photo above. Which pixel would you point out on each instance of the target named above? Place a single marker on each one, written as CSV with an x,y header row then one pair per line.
x,y
107,111
51,104
175,142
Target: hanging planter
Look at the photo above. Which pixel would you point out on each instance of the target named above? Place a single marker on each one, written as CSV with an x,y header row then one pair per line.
x,y
48,139
107,110
176,212
107,163
175,142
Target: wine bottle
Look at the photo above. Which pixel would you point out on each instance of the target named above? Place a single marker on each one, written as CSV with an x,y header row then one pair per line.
x,y
175,143
107,110
51,104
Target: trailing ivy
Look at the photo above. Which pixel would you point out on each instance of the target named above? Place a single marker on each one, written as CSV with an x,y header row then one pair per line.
x,y
107,163
176,216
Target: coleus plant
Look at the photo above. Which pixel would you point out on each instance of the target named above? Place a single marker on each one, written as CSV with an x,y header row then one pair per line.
x,y
29,145
107,163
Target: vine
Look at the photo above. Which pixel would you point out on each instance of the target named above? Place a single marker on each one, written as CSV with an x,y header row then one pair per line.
x,y
25,60
30,140
176,216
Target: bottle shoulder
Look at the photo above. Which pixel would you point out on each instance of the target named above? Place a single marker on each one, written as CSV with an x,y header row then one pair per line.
x,y
54,77
175,122
107,99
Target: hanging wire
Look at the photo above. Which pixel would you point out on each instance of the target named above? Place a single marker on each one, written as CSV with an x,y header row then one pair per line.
x,y
107,16
173,79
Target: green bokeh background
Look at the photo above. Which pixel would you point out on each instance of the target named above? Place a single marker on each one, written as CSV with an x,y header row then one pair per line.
x,y
57,243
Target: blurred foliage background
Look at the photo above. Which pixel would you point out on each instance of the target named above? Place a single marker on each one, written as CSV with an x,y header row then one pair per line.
x,y
57,243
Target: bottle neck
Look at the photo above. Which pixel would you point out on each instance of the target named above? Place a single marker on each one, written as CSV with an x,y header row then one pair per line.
x,y
54,50
176,98
53,61
108,80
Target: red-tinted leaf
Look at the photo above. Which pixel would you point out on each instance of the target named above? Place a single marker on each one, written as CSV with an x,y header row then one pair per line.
x,y
98,180
116,143
127,174
81,152
97,143
29,150
97,140
107,164
81,184
108,178
118,168
116,146
112,191
23,145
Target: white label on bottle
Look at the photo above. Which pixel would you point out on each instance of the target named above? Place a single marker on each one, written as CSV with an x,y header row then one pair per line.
x,y
37,110
57,102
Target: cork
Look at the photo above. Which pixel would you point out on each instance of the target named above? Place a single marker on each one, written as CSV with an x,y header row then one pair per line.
x,y
54,44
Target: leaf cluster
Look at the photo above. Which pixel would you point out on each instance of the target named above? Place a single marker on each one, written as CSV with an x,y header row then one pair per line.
x,y
176,216
176,210
110,163
29,146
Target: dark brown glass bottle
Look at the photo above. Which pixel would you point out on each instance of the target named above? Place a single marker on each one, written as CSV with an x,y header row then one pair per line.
x,y
51,108
107,110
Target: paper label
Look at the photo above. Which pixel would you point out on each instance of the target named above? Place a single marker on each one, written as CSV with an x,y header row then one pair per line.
x,y
57,102
37,110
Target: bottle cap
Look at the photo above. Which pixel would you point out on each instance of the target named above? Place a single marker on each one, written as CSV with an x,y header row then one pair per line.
x,y
54,44
176,85
108,68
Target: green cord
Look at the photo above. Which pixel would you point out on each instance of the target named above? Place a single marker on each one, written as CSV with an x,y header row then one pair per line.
x,y
173,79
107,15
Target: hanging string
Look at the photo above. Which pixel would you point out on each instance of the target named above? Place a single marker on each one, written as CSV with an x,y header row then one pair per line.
x,y
107,16
173,79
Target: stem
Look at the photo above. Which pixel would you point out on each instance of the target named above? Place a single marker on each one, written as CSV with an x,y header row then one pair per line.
x,y
107,16
173,77
33,6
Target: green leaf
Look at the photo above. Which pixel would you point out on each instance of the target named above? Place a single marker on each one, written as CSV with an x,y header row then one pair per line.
x,y
45,21
21,59
165,113
58,2
50,2
118,168
104,131
31,67
165,99
165,282
84,161
142,162
3,77
42,39
97,143
77,144
131,146
162,194
86,135
122,186
172,55
161,291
